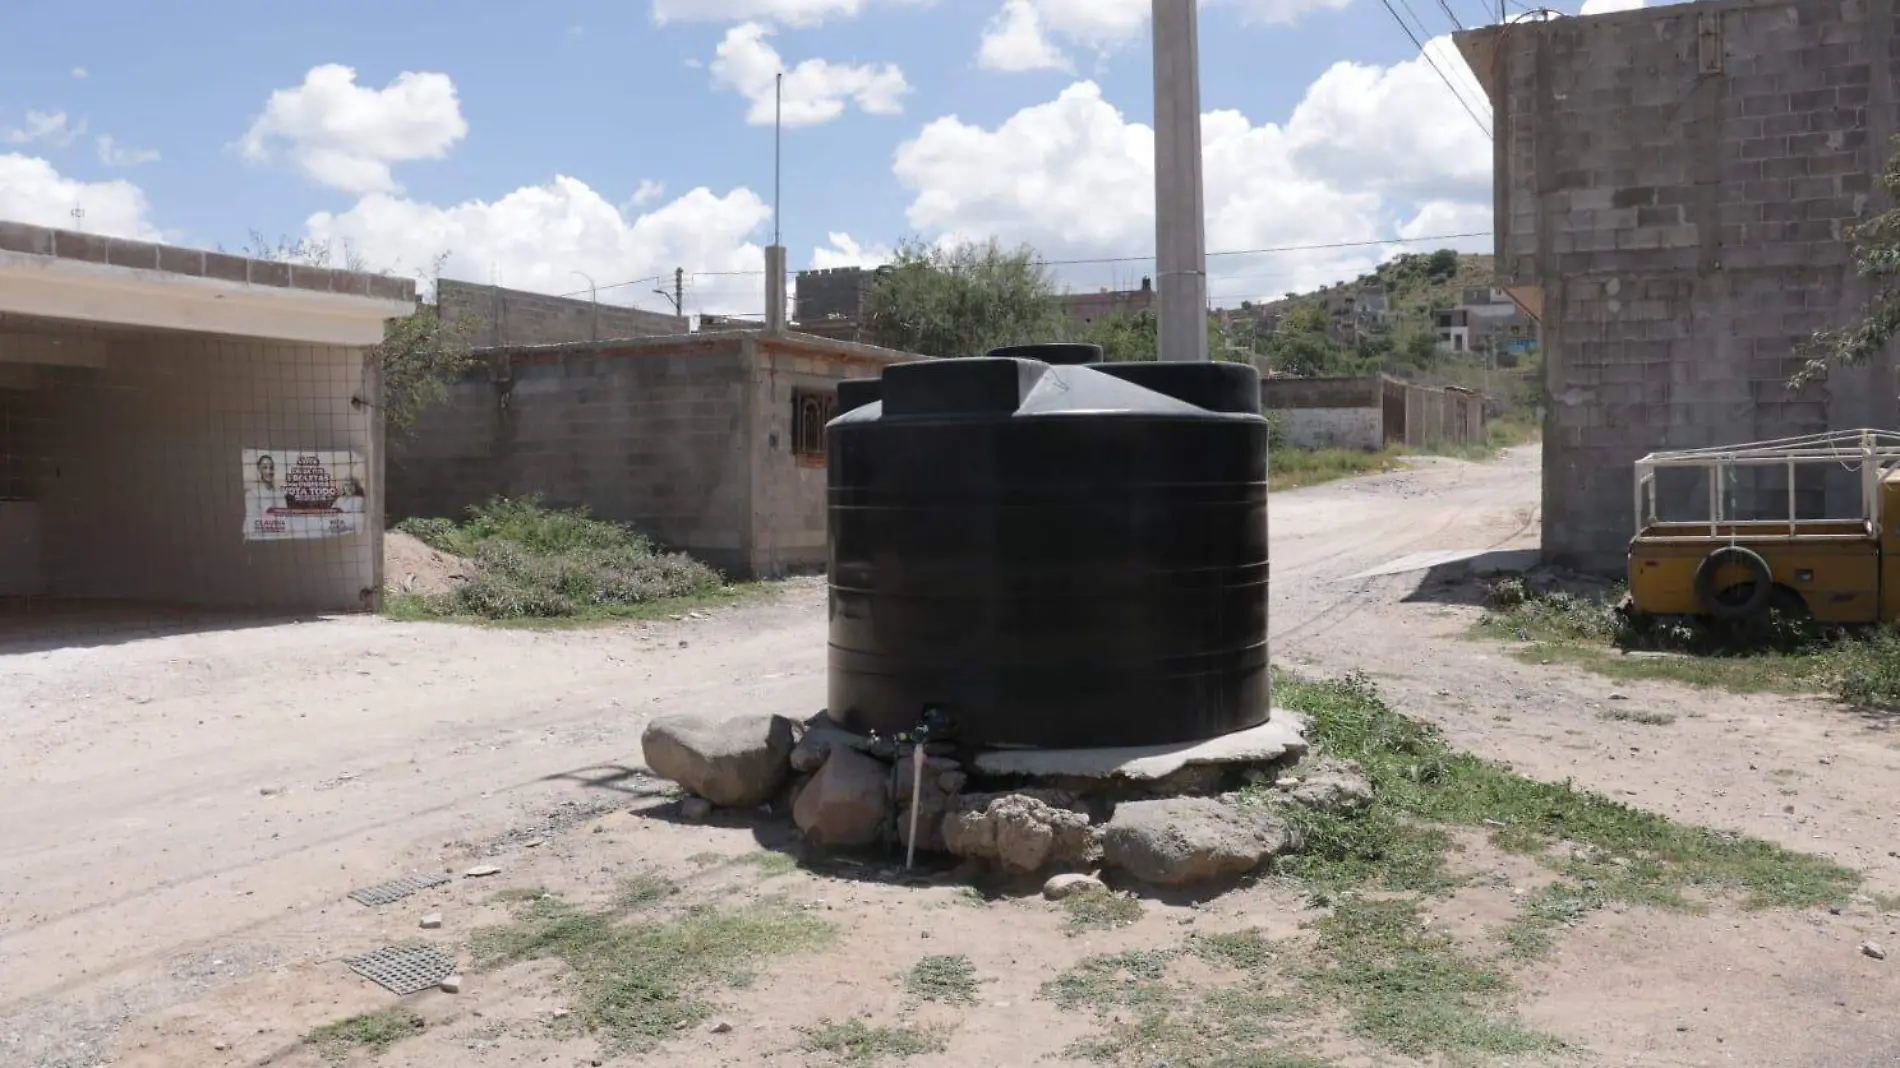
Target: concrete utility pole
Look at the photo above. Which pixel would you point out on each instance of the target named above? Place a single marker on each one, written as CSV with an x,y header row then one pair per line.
x,y
1180,212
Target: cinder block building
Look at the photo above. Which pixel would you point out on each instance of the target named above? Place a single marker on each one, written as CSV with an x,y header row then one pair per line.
x,y
712,443
1672,187
495,316
1371,412
186,428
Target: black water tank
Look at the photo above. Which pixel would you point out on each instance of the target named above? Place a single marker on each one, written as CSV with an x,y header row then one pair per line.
x,y
1054,555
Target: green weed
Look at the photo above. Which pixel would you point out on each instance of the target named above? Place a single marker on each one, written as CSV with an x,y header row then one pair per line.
x,y
1421,783
537,563
856,1042
943,978
640,978
1100,910
1627,715
1412,989
375,1031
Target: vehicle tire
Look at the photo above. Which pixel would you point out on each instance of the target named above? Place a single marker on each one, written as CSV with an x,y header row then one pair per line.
x,y
1753,595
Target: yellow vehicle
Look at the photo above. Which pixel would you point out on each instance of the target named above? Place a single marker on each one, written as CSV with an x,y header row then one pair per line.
x,y
1806,527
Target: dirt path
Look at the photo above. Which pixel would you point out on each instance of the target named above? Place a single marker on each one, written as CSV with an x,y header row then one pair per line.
x,y
185,813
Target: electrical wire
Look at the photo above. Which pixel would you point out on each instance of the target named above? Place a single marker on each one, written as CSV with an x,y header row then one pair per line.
x,y
1436,69
1084,261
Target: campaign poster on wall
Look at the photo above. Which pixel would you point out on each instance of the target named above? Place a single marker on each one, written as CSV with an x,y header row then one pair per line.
x,y
303,493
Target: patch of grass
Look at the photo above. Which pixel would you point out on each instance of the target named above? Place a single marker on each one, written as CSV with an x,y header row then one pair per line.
x,y
1100,910
1136,979
535,563
943,978
1783,655
1420,783
644,890
1885,902
1148,1019
1292,468
1629,715
1247,950
1533,932
641,978
771,865
856,1042
516,894
374,1031
1412,989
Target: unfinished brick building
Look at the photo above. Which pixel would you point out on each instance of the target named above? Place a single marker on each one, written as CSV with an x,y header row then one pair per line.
x,y
1671,191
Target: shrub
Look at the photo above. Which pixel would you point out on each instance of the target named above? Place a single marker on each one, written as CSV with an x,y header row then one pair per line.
x,y
533,562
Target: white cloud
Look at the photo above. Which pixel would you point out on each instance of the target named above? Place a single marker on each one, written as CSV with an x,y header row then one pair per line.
x,y
1014,41
844,251
1105,25
1367,153
346,136
535,237
80,72
648,192
815,91
48,126
32,191
785,12
1604,7
114,154
1397,128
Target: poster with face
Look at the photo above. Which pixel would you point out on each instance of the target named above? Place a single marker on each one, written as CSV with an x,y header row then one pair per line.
x,y
303,493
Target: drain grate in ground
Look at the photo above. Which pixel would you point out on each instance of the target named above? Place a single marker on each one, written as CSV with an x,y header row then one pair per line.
x,y
403,970
395,889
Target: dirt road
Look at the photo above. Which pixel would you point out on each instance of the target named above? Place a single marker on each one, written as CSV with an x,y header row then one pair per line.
x,y
184,813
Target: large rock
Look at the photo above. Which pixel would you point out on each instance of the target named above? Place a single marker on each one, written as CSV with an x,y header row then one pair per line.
x,y
732,761
822,735
1183,840
1021,832
848,801
1332,787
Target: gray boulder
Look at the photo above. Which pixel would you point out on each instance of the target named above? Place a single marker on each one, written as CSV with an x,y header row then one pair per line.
x,y
820,737
1020,832
731,761
1065,886
847,803
1332,787
1183,840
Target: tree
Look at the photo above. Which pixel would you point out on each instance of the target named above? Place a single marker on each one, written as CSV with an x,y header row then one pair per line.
x,y
961,300
421,354
1876,250
1444,263
1132,338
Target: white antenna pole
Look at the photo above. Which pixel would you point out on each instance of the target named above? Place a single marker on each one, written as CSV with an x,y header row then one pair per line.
x,y
778,141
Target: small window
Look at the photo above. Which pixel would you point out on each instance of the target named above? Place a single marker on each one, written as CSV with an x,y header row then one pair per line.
x,y
811,410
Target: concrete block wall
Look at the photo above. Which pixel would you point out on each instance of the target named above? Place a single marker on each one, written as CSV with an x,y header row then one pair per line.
x,y
517,317
139,493
1286,393
1677,182
790,499
655,440
1340,428
819,295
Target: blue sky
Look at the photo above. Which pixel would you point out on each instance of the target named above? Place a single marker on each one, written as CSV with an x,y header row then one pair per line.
x,y
620,139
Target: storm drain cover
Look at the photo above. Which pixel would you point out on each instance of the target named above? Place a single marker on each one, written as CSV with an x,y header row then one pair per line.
x,y
396,889
403,970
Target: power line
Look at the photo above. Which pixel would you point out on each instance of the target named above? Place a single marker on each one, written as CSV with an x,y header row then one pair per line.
x,y
1091,260
1420,45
